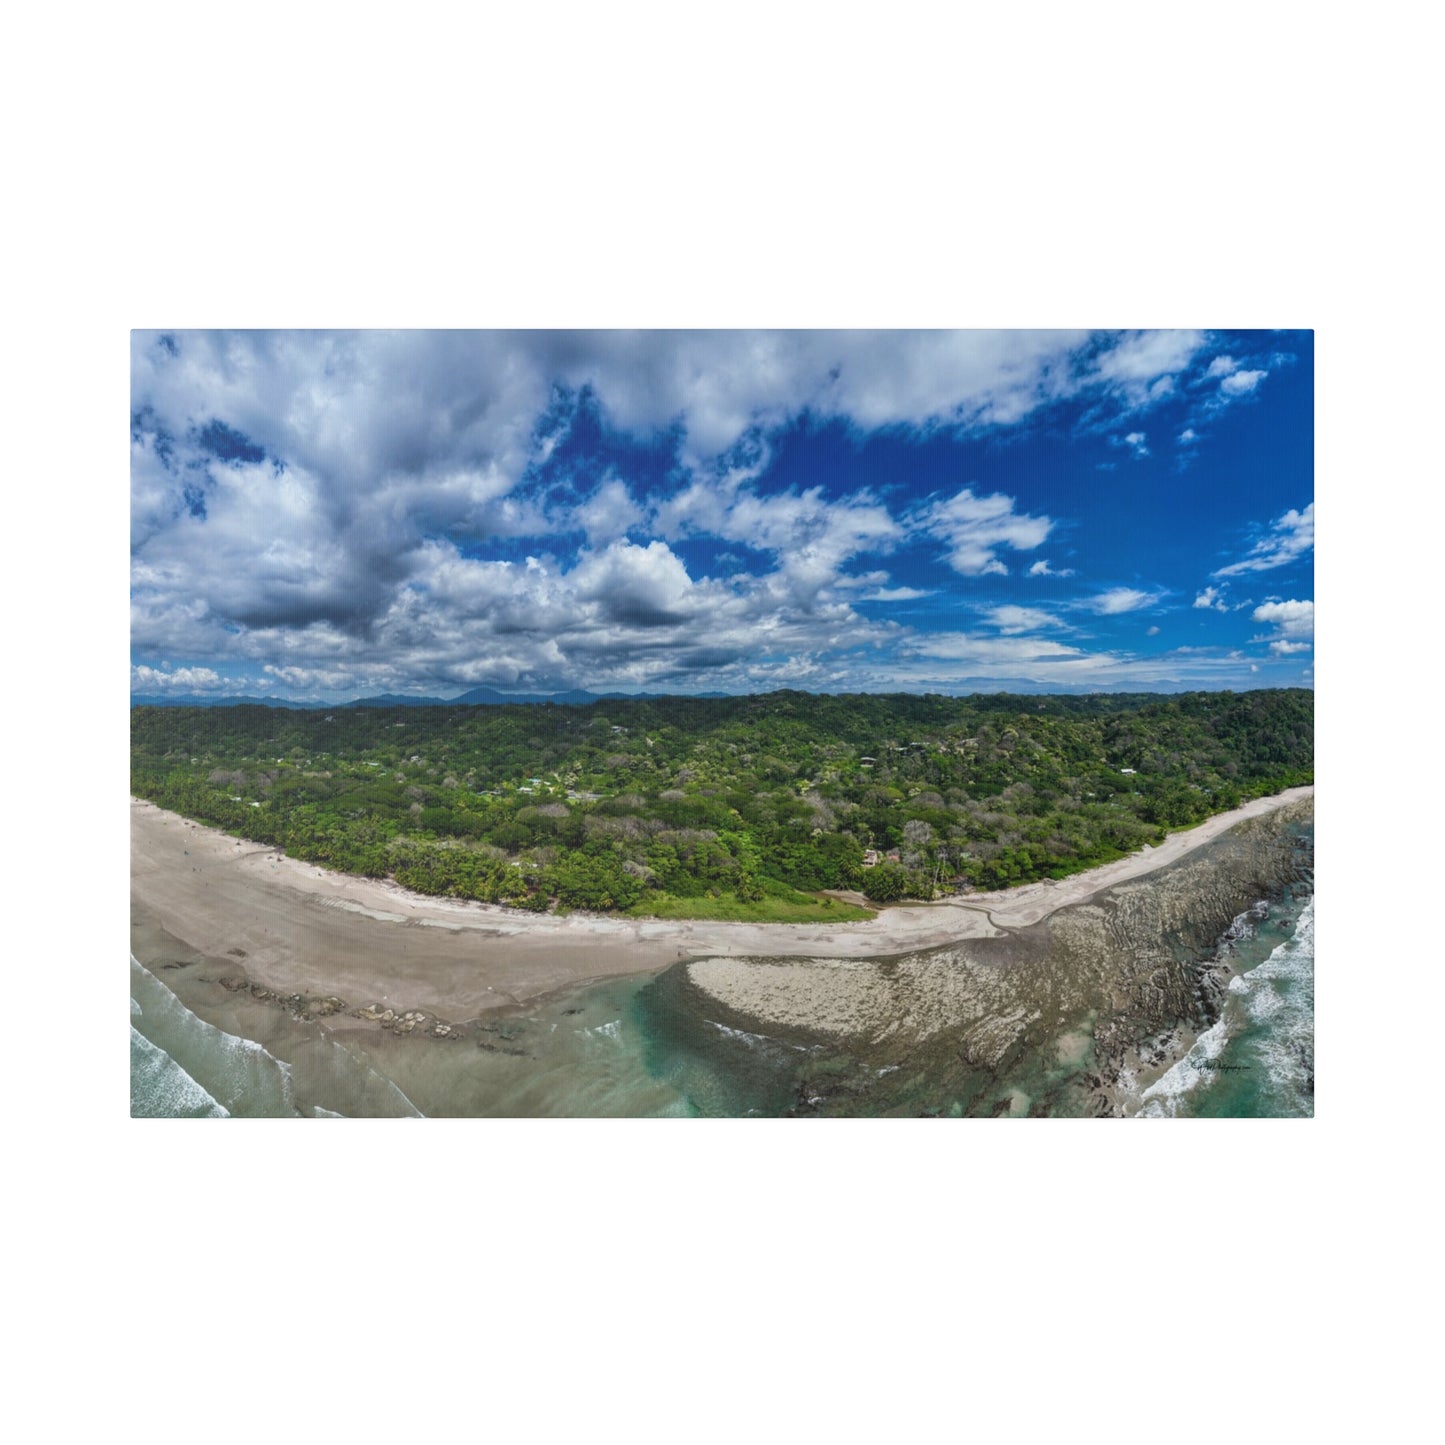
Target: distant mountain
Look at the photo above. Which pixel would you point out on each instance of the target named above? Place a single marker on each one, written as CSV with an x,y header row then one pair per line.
x,y
575,697
397,699
194,699
477,697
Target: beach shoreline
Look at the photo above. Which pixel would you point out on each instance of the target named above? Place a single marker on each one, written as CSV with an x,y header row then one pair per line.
x,y
291,927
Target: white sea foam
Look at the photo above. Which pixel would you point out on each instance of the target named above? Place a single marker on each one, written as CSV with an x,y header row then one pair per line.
x,y
1275,1001
238,1073
1161,1099
247,1079
1280,993
162,1089
1244,925
611,1030
736,1033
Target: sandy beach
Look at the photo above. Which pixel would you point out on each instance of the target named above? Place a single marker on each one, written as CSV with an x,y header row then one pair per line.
x,y
295,928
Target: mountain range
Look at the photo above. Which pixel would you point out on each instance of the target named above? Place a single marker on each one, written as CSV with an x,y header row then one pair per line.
x,y
477,697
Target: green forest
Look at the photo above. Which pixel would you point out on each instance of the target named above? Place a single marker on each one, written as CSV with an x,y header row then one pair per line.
x,y
745,807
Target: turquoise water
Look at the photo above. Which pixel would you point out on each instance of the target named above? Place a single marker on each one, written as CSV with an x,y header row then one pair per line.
x,y
1258,1059
584,1055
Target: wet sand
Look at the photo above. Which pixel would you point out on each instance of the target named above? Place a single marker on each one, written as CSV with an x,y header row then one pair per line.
x,y
293,927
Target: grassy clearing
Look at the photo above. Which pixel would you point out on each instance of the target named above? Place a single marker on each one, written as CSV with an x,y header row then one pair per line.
x,y
798,909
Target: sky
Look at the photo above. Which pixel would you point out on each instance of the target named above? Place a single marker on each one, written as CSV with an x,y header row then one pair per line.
x,y
325,515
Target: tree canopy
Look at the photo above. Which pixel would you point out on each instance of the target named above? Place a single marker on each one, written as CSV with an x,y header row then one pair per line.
x,y
745,806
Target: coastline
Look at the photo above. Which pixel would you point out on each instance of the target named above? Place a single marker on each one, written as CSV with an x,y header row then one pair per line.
x,y
294,928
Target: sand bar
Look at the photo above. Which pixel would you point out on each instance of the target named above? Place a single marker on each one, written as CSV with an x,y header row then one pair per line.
x,y
293,926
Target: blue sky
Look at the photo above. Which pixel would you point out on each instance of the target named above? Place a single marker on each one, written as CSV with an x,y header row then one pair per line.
x,y
324,515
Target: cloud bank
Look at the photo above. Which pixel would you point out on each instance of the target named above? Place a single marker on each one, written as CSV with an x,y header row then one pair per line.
x,y
327,513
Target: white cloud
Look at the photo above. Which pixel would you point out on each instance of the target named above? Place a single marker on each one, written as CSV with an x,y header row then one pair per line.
x,y
1221,366
180,679
1011,620
1187,435
975,528
1241,382
1294,624
1152,632
966,647
1142,366
1293,618
896,594
1287,540
348,529
642,586
1119,599
1212,598
609,513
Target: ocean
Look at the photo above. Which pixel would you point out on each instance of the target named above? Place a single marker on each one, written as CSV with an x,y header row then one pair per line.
x,y
653,1046
1258,1059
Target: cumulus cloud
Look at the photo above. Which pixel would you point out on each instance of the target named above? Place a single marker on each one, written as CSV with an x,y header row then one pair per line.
x,y
1137,443
642,586
610,512
810,536
1288,539
976,528
1294,624
180,679
404,511
1212,598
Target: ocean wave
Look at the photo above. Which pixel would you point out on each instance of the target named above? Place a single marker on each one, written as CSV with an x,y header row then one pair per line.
x,y
1268,1022
1279,996
247,1079
1243,926
161,1089
1163,1097
240,1074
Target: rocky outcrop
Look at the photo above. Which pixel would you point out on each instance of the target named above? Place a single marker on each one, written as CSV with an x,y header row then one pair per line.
x,y
305,1006
1049,1019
